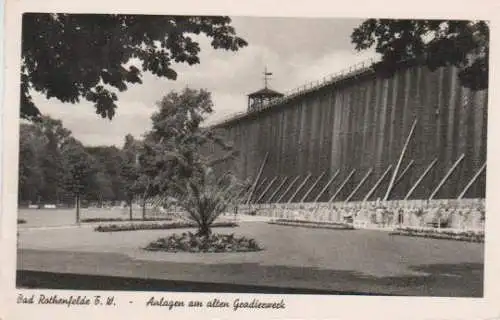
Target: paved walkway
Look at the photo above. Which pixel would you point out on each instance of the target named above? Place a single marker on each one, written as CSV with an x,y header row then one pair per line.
x,y
354,261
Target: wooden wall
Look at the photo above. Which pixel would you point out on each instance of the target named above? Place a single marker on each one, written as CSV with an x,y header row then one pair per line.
x,y
362,122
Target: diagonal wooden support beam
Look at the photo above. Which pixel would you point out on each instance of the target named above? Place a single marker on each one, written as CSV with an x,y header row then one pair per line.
x,y
299,188
359,185
401,176
448,174
403,151
260,185
257,178
326,186
277,190
415,185
288,189
462,194
312,187
342,186
266,189
243,194
379,181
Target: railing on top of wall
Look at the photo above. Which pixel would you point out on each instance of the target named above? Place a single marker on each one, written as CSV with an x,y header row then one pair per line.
x,y
346,73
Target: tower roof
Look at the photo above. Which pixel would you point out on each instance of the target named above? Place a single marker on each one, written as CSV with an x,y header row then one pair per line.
x,y
265,93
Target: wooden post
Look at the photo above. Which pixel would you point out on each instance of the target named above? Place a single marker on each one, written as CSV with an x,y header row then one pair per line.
x,y
462,194
257,178
401,176
266,189
403,151
277,190
379,181
415,185
326,186
288,189
312,187
446,176
342,186
299,188
359,185
244,194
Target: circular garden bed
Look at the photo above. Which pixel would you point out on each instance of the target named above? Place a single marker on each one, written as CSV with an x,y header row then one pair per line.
x,y
191,242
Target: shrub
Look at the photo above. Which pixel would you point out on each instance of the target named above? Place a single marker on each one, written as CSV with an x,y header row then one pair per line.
x,y
157,226
312,224
122,219
449,234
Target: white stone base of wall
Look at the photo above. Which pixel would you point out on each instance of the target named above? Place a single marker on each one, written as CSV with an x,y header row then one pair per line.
x,y
464,214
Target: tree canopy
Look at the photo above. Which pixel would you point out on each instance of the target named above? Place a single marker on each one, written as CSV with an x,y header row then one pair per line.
x,y
54,166
89,56
173,150
434,43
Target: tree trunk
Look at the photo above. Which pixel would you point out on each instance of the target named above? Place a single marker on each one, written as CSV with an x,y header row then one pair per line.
x,y
130,209
144,208
77,200
204,230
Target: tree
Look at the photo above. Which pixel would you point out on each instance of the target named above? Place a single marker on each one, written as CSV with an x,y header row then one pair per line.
x,y
173,148
40,162
109,181
130,175
84,56
79,173
130,171
31,175
175,163
55,135
433,43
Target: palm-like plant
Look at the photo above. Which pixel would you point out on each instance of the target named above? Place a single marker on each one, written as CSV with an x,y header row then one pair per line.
x,y
205,197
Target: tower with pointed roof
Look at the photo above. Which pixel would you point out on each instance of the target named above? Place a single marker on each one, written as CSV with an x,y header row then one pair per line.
x,y
258,99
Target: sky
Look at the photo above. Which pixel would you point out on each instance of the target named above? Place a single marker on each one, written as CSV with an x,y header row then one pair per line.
x,y
295,50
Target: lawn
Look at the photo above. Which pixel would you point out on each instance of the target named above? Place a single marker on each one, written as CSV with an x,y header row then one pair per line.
x,y
64,217
313,259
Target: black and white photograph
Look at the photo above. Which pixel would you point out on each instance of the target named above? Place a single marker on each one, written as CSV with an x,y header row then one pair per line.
x,y
262,156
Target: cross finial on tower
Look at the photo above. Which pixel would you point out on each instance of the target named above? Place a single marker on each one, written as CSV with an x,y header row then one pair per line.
x,y
266,76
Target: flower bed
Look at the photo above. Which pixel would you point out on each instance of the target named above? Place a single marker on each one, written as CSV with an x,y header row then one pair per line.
x,y
123,219
448,234
312,224
156,226
190,242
